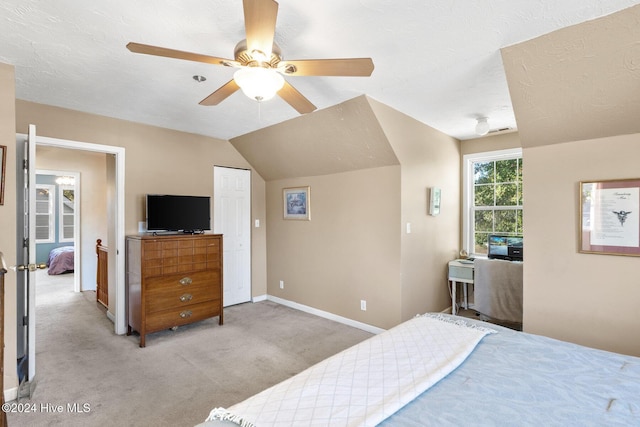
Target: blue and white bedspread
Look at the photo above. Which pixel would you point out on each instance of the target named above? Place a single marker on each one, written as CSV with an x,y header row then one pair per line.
x,y
366,383
519,379
510,379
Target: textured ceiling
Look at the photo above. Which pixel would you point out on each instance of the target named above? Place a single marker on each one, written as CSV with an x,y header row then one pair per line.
x,y
437,61
577,83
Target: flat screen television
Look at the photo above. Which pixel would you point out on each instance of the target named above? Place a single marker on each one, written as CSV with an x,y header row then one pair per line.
x,y
505,247
189,214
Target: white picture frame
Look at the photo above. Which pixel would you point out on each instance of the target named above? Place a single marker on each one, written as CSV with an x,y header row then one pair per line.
x,y
435,195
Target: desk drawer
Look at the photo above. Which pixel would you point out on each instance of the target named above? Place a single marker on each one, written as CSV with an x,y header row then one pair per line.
x,y
462,273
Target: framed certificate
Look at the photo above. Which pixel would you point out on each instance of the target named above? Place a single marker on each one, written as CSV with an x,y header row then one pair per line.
x,y
610,217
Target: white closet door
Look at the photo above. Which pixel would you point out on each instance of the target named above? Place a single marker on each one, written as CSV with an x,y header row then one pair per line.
x,y
232,219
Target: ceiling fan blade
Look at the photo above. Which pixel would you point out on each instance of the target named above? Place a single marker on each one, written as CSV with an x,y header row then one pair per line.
x,y
295,99
362,67
260,24
221,94
179,54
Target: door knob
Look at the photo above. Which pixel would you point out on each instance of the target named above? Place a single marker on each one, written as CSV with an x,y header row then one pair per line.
x,y
30,267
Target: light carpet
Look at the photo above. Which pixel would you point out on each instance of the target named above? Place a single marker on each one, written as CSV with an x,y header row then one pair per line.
x,y
102,379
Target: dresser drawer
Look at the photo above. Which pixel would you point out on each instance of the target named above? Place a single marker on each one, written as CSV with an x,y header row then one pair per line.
x,y
181,316
183,281
180,255
180,290
164,299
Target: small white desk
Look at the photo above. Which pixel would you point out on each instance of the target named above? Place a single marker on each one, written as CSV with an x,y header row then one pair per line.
x,y
460,271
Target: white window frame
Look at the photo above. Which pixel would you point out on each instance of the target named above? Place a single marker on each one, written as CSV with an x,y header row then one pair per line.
x,y
52,200
468,227
61,213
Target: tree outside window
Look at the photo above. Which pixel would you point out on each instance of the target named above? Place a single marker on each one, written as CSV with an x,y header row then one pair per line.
x,y
497,200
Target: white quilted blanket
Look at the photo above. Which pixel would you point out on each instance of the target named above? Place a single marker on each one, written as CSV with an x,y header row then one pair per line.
x,y
364,384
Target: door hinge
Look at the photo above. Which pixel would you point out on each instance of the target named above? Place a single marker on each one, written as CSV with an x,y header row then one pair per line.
x,y
25,320
25,164
25,243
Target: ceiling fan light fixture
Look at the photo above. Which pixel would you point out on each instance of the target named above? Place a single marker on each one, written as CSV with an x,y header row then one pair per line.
x,y
482,127
259,83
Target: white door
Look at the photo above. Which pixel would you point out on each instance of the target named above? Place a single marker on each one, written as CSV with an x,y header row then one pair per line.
x,y
232,219
26,260
31,197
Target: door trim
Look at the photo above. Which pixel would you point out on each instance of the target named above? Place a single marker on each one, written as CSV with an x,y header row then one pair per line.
x,y
120,324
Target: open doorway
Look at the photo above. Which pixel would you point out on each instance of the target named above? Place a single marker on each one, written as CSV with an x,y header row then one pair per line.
x,y
114,220
114,158
58,237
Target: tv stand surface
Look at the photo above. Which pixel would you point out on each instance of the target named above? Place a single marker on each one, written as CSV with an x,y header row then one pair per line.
x,y
175,233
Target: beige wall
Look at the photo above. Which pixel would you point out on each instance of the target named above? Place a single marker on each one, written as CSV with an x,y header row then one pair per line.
x,y
155,157
8,220
157,160
584,298
356,247
428,159
93,200
347,252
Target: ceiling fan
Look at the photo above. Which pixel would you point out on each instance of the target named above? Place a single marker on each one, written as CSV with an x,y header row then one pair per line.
x,y
261,64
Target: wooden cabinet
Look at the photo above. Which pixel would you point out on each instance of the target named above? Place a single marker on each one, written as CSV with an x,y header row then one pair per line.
x,y
173,280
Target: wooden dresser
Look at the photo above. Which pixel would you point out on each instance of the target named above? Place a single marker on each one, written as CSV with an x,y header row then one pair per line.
x,y
173,280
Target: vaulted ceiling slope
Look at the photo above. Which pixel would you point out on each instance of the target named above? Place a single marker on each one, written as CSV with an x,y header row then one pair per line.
x,y
341,138
577,83
437,61
361,133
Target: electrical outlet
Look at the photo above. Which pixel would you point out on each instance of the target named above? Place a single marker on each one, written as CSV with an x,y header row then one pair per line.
x,y
363,305
281,284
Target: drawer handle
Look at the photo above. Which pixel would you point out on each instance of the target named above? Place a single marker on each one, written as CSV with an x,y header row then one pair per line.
x,y
186,281
185,314
186,297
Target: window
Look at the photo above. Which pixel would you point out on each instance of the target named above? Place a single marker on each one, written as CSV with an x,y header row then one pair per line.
x,y
45,195
493,202
66,217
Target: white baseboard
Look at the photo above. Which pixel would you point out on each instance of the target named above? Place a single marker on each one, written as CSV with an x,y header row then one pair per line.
x,y
11,394
325,314
259,298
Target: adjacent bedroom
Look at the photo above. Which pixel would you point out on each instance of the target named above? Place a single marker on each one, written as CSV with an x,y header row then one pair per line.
x,y
55,222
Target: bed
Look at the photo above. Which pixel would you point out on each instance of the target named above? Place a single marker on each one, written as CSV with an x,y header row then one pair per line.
x,y
483,374
61,260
